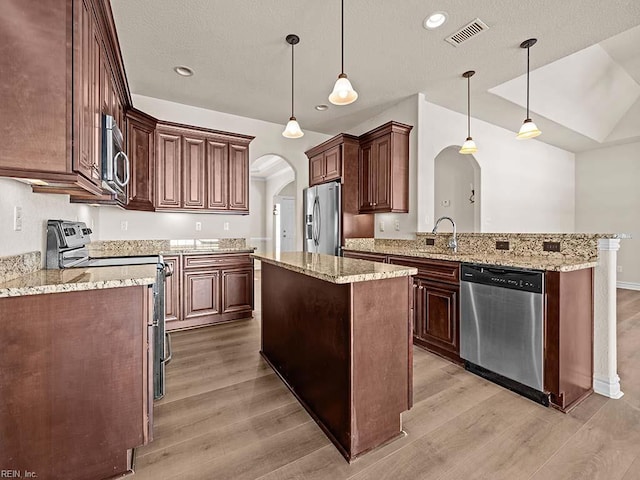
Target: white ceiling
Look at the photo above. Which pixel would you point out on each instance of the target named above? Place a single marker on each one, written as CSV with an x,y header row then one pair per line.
x,y
242,61
268,166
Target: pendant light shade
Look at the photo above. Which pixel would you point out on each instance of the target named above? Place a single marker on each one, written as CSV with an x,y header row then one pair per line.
x,y
469,146
343,92
292,130
528,128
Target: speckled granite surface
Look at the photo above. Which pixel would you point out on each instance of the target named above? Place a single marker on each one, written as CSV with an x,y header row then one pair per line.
x,y
335,269
132,248
577,251
75,279
18,265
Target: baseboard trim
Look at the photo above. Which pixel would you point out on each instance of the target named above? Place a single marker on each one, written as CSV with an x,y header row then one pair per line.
x,y
608,387
628,285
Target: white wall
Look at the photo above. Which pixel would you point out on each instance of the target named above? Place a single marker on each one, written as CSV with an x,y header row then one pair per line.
x,y
37,208
608,200
406,112
526,186
274,184
268,140
454,176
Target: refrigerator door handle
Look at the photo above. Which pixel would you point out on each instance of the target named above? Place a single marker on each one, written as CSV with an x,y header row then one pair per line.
x,y
316,221
319,223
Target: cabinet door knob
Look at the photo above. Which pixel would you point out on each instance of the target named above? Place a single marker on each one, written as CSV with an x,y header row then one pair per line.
x,y
421,287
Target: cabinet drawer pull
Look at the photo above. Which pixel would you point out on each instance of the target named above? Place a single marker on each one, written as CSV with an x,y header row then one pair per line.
x,y
421,287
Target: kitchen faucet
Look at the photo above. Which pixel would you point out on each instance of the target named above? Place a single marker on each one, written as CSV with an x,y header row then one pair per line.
x,y
453,243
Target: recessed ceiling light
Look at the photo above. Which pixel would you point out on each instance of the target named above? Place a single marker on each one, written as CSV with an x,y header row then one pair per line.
x,y
435,20
184,71
321,108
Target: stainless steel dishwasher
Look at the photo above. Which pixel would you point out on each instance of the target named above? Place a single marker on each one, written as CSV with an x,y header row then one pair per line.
x,y
502,326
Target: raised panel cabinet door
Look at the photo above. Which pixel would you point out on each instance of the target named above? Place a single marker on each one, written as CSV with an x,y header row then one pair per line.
x,y
439,324
201,294
316,169
366,175
217,175
169,186
382,179
193,161
172,292
140,148
239,178
333,163
237,290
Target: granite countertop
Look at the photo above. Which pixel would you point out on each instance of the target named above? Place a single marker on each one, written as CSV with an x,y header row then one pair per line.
x,y
335,269
138,248
77,279
558,264
173,250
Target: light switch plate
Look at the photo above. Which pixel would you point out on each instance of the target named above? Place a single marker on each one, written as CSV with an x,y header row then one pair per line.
x,y
225,226
382,225
198,226
17,218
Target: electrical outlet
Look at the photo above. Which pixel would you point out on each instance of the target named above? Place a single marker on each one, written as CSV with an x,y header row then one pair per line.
x,y
619,268
17,218
551,246
502,245
431,241
382,225
225,226
198,226
396,225
124,225
445,203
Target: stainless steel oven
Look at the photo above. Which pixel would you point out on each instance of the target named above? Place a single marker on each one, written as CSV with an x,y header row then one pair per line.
x,y
67,248
116,169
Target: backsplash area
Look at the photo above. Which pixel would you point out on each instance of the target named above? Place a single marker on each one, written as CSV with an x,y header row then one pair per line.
x,y
152,247
571,245
15,266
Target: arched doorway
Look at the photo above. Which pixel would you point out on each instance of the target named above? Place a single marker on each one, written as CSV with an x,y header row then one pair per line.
x,y
270,174
457,189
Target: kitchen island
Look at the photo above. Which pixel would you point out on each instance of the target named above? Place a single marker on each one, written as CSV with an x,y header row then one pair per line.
x,y
338,332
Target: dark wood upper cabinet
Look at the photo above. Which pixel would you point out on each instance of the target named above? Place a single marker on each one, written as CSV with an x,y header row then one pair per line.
x,y
325,163
212,168
239,178
193,178
384,169
65,61
217,174
337,159
168,161
141,147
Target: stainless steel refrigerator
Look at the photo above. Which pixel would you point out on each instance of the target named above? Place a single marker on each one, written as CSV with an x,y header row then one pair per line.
x,y
323,218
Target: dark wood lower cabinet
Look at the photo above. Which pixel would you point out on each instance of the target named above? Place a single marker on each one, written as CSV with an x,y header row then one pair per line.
x,y
75,382
208,288
437,318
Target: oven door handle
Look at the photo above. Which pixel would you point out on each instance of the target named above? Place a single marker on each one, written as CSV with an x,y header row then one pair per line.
x,y
167,359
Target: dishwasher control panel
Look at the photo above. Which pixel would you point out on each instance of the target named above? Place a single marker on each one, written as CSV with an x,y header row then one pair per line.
x,y
507,277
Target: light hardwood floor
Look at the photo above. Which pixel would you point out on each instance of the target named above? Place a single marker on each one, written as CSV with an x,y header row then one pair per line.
x,y
227,416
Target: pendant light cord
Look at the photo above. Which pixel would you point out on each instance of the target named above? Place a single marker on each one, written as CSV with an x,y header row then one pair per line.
x,y
292,78
469,106
342,29
528,82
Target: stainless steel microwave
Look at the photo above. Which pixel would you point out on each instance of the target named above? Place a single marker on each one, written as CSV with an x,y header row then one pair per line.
x,y
115,162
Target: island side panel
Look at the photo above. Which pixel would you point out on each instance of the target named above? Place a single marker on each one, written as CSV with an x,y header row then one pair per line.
x,y
72,365
306,339
382,358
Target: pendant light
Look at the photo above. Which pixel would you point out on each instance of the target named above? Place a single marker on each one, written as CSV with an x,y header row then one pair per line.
x,y
292,130
528,128
343,93
469,146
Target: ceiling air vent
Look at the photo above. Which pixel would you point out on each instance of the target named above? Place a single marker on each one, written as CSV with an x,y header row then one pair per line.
x,y
467,32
